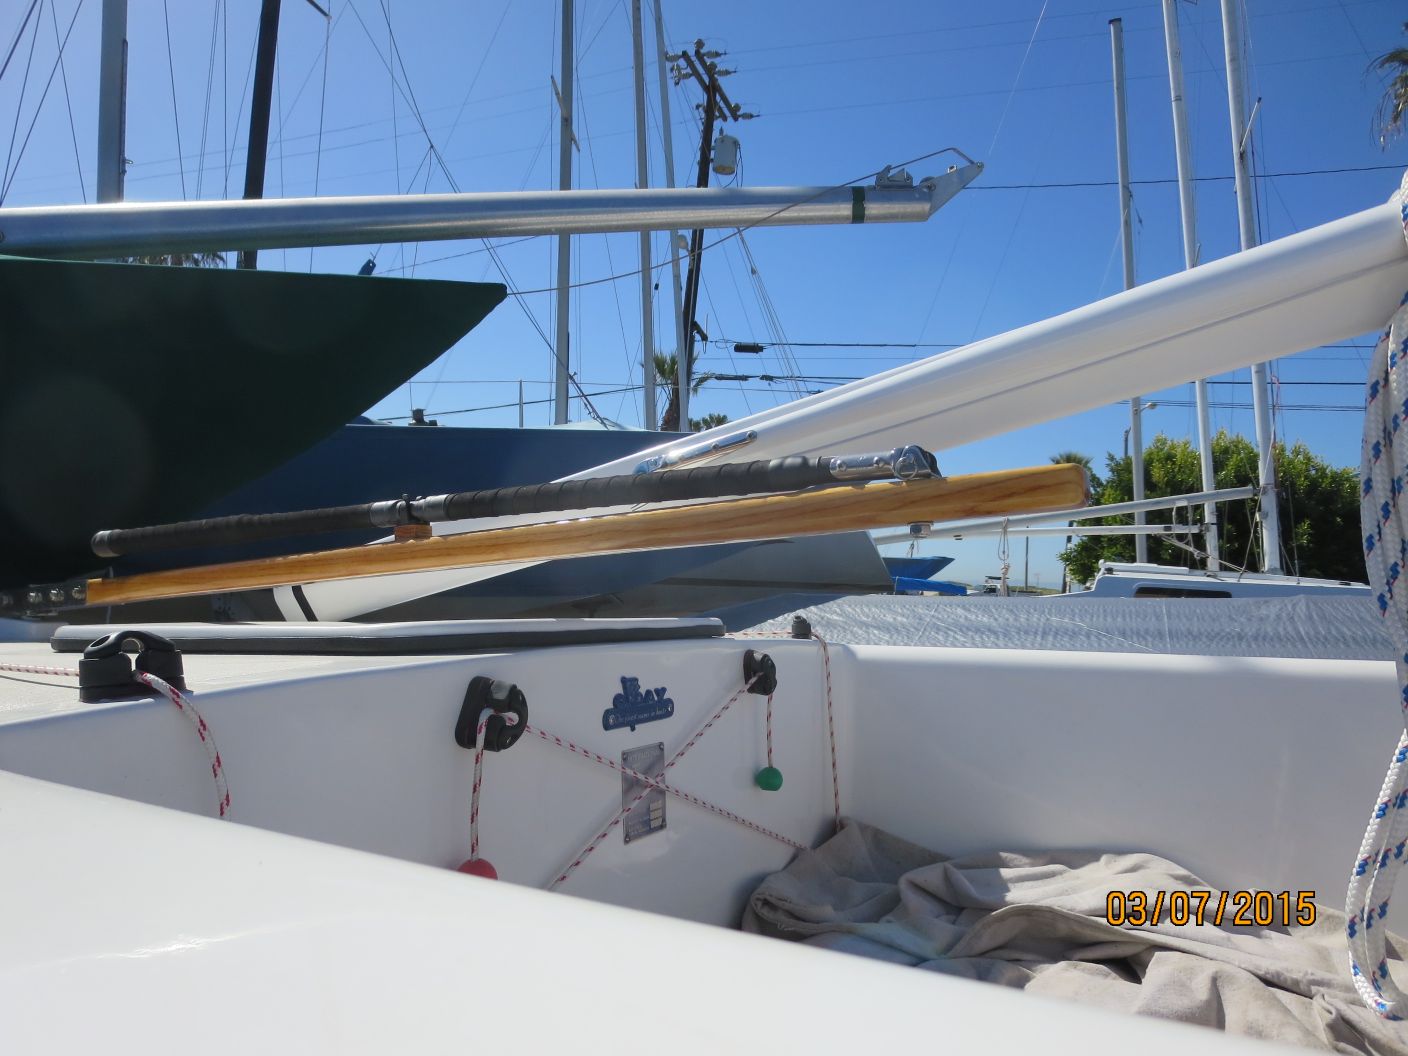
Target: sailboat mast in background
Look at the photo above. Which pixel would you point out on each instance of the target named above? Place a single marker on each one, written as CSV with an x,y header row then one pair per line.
x,y
675,288
1261,404
1188,210
1136,404
647,327
112,101
259,107
565,141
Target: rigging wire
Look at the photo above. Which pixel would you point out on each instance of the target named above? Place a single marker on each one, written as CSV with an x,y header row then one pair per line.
x,y
1002,119
408,94
483,62
175,114
322,111
395,139
239,112
209,89
68,102
19,108
42,96
19,33
770,312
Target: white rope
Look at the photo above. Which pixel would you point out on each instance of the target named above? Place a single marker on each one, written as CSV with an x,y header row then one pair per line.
x,y
1384,521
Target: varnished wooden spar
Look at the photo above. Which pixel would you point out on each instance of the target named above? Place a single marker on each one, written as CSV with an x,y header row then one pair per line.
x,y
878,504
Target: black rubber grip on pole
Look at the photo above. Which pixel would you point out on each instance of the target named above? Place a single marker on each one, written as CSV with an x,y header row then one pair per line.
x,y
247,528
763,476
672,485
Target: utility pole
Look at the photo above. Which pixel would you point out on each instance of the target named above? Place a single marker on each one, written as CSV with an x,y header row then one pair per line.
x,y
675,288
565,141
1136,408
1188,209
1261,403
112,101
260,103
706,73
647,323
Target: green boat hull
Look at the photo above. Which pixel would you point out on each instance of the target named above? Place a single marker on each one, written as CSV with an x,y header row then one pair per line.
x,y
136,394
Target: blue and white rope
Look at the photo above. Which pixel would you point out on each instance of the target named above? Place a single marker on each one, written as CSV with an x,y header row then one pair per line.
x,y
1384,520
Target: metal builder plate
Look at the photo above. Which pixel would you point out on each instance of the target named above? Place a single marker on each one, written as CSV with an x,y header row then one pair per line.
x,y
649,814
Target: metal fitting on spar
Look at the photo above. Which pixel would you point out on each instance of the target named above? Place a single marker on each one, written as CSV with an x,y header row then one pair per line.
x,y
904,463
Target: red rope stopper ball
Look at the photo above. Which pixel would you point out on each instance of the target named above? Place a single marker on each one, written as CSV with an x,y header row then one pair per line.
x,y
478,867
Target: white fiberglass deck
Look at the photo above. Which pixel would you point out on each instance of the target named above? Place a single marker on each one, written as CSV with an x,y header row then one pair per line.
x,y
1253,773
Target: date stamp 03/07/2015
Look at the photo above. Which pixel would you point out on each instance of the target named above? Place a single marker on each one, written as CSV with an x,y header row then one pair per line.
x,y
1243,909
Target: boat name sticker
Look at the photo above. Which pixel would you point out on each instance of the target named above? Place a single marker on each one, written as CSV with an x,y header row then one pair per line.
x,y
631,706
644,804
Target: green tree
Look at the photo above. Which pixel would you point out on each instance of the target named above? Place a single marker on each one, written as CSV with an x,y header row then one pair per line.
x,y
1319,507
1393,64
665,370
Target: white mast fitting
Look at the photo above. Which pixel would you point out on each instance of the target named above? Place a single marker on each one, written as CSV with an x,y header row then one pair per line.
x,y
1188,210
1136,404
1261,403
565,140
647,327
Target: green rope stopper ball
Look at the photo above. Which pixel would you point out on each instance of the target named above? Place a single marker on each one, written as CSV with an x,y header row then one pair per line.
x,y
769,779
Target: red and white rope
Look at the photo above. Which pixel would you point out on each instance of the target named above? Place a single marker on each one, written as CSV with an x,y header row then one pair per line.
x,y
182,704
207,739
769,728
596,841
831,730
510,719
28,669
830,716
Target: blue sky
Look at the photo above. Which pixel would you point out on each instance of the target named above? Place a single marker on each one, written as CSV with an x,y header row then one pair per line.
x,y
1023,85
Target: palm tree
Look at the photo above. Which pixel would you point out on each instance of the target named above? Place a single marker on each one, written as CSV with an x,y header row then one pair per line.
x,y
698,425
665,374
182,260
1076,458
1394,105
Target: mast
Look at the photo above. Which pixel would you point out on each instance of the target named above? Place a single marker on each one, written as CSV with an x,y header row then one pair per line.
x,y
561,348
1261,404
647,324
1136,404
259,107
1188,209
112,101
675,289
